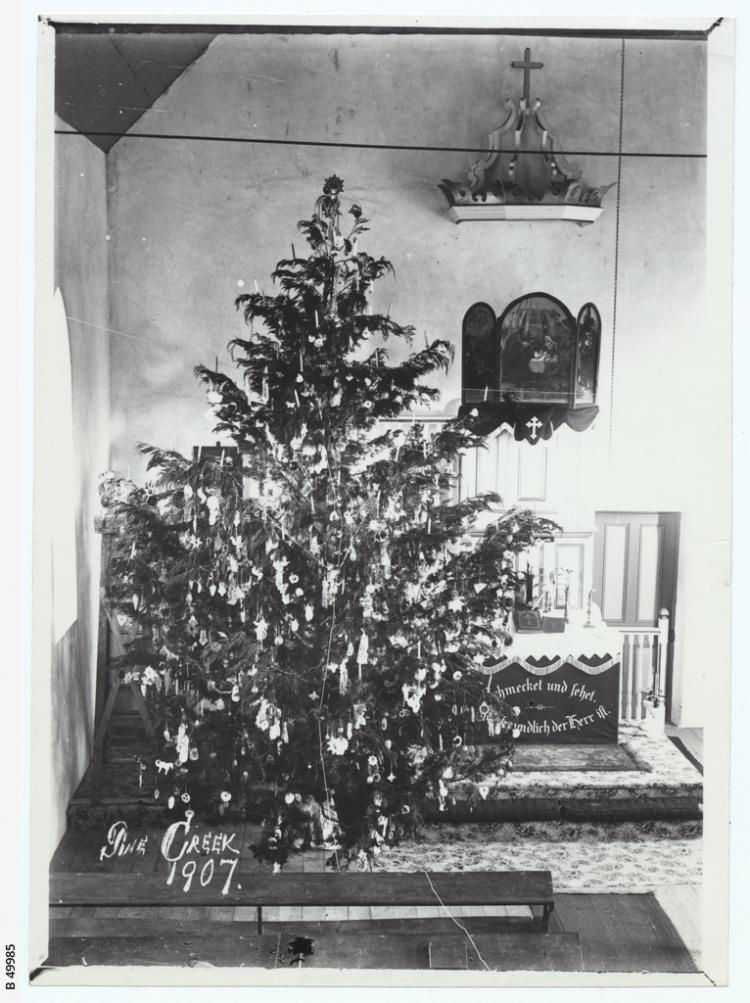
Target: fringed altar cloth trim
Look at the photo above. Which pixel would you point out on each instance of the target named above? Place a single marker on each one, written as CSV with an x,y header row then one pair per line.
x,y
544,670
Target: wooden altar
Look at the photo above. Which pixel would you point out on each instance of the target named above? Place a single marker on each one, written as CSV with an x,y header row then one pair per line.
x,y
566,686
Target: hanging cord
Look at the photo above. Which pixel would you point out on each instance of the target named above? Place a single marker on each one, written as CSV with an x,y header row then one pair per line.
x,y
617,251
133,337
453,919
340,145
331,812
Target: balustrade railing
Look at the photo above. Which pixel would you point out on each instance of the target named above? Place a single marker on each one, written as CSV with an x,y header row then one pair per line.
x,y
643,668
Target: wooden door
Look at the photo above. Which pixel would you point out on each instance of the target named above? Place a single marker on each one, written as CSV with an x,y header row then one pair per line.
x,y
635,575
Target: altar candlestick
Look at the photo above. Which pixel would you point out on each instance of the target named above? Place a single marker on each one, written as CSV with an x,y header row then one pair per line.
x,y
529,584
486,391
588,610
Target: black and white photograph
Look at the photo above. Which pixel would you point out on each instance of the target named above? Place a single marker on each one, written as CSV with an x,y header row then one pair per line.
x,y
382,501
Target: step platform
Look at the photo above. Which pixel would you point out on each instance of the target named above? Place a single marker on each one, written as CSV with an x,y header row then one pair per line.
x,y
643,779
315,945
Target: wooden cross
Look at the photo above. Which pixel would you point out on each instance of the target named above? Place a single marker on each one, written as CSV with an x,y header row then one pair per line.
x,y
527,66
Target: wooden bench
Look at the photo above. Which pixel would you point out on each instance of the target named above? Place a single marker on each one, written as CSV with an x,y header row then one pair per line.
x,y
472,888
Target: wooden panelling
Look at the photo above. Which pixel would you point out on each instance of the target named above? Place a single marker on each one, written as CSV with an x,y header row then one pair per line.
x,y
649,562
615,569
532,474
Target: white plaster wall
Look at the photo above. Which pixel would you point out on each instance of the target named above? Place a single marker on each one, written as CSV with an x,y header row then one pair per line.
x,y
80,272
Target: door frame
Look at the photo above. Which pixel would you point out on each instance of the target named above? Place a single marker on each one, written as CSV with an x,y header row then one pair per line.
x,y
669,556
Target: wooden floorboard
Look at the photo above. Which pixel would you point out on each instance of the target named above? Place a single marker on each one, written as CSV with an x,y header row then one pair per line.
x,y
242,947
691,738
683,906
622,933
626,933
618,933
240,950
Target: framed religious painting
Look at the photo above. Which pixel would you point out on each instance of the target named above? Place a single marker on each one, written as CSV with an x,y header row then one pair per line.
x,y
537,336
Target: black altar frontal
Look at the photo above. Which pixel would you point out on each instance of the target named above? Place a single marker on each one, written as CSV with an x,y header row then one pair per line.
x,y
566,686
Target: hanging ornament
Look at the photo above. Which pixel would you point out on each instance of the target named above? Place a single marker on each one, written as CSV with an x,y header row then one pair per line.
x,y
338,744
385,561
309,611
343,678
363,652
213,505
261,630
182,744
368,606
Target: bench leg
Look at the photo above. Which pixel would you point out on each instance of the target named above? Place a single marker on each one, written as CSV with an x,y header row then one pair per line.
x,y
260,920
546,915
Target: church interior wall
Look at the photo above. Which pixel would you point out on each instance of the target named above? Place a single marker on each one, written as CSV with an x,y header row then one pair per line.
x,y
81,280
193,224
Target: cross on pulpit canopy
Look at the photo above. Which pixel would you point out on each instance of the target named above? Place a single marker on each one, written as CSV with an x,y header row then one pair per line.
x,y
534,423
527,66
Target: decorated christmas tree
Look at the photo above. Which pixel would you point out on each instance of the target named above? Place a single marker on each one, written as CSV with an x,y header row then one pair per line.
x,y
312,607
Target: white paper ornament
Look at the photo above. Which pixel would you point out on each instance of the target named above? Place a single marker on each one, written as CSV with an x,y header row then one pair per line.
x,y
343,678
363,650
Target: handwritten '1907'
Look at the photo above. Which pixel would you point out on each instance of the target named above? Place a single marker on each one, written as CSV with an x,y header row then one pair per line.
x,y
177,846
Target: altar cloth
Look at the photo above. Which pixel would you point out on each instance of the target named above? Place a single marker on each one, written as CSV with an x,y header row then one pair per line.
x,y
564,687
592,649
578,642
